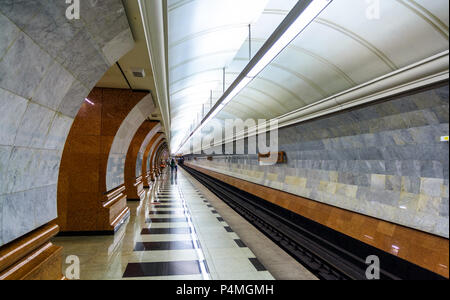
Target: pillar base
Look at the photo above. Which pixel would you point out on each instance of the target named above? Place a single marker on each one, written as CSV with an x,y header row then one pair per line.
x,y
32,257
123,218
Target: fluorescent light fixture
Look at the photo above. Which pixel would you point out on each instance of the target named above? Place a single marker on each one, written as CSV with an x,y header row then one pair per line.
x,y
302,21
302,17
89,101
242,84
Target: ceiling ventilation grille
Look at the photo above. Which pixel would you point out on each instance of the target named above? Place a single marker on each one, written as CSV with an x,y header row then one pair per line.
x,y
139,73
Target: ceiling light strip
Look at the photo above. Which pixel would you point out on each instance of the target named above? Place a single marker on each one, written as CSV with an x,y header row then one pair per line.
x,y
303,13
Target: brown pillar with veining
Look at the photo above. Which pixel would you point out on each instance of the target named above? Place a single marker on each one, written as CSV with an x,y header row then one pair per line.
x,y
153,167
146,174
32,257
83,205
133,185
158,158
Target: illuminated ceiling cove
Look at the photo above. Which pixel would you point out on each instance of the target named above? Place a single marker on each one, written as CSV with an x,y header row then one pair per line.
x,y
348,44
204,37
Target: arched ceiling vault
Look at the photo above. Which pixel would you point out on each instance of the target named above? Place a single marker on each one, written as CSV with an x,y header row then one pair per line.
x,y
341,49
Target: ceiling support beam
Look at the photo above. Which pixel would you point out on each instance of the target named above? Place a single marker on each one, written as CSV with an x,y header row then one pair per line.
x,y
152,13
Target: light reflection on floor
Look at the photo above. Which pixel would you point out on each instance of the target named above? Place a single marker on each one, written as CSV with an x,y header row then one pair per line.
x,y
211,252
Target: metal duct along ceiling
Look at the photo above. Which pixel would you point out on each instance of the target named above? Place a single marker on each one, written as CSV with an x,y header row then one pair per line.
x,y
348,44
341,49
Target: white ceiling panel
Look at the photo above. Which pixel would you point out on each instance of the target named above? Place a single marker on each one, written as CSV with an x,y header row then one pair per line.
x,y
203,38
341,49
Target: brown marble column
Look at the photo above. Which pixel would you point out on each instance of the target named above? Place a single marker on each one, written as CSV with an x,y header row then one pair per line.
x,y
83,204
134,186
153,166
158,156
32,257
147,174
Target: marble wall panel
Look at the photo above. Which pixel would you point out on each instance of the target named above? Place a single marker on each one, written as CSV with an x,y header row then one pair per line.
x,y
145,161
48,65
59,130
152,152
84,59
50,28
120,44
144,146
426,250
12,109
122,141
20,12
2,199
54,87
73,99
134,158
10,33
33,203
384,160
34,127
104,19
5,154
15,207
23,67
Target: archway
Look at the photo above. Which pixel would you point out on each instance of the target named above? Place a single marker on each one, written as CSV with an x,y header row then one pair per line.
x,y
48,65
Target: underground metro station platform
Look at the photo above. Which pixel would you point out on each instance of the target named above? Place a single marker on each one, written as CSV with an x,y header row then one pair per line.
x,y
196,142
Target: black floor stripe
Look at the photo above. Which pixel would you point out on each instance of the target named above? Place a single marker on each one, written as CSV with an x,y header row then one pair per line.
x,y
220,219
162,269
166,206
214,211
240,243
167,212
209,205
257,264
167,220
228,229
183,230
164,246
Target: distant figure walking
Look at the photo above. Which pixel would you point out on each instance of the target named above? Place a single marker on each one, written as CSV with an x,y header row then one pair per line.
x,y
173,165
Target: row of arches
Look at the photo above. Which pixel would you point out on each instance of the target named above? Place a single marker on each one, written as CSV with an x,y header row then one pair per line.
x,y
109,158
63,143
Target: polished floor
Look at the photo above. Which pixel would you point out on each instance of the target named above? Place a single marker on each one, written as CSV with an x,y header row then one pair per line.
x,y
174,233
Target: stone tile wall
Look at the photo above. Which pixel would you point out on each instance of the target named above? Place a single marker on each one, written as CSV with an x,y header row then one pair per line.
x,y
144,146
152,153
48,65
384,160
122,141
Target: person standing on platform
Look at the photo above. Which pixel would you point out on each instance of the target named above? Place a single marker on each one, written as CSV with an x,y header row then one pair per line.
x,y
173,165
